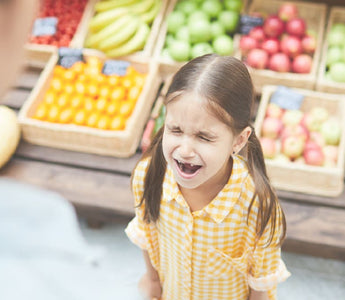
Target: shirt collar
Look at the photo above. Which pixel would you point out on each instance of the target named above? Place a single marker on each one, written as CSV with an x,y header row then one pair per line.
x,y
223,203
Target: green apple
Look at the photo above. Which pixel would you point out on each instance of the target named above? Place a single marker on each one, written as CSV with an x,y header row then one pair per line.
x,y
337,71
331,131
182,33
199,31
187,7
165,55
175,20
334,54
336,36
229,19
198,15
217,29
223,45
179,50
234,5
212,7
200,49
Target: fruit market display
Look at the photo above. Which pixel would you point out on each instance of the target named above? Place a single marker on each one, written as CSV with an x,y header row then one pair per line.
x,y
198,27
335,57
83,95
121,27
9,134
305,137
282,44
57,22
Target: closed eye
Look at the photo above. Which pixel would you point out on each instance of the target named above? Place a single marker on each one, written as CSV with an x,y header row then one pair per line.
x,y
201,137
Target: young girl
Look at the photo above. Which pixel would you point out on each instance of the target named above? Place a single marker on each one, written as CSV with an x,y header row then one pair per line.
x,y
207,218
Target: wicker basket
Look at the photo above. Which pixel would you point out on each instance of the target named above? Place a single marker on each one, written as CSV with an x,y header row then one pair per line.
x,y
38,55
337,15
79,138
163,32
324,181
315,16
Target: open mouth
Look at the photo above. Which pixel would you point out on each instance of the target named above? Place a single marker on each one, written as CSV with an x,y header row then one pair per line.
x,y
187,169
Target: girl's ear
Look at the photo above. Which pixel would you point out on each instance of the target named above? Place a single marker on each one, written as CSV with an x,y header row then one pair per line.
x,y
241,140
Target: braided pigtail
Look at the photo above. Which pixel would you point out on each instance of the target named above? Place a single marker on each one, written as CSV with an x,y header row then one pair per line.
x,y
270,210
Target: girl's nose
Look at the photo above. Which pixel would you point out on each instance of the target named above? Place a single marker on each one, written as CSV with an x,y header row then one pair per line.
x,y
187,149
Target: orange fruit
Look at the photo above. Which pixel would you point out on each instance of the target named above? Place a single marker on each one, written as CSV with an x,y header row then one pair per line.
x,y
49,98
92,90
118,93
133,93
69,88
66,116
92,120
53,114
62,100
126,108
103,122
101,104
56,84
78,67
127,82
139,80
118,123
41,112
76,101
80,87
92,71
114,80
112,108
58,71
89,105
80,117
68,75
104,92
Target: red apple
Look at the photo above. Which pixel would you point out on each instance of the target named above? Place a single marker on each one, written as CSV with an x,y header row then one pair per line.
x,y
257,33
313,155
302,64
274,110
269,147
287,11
279,62
248,43
273,26
297,130
317,138
296,27
270,45
271,127
293,146
257,58
291,45
309,44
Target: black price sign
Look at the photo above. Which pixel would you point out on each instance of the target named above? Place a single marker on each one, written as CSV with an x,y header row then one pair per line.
x,y
69,56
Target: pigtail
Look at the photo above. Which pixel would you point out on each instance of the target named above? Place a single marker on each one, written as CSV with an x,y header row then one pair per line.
x,y
153,184
270,210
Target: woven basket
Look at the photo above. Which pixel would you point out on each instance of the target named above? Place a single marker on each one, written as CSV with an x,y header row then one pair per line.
x,y
324,181
337,15
315,17
79,138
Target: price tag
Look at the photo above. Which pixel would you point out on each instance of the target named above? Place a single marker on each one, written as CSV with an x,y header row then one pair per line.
x,y
69,56
287,98
115,67
248,22
44,26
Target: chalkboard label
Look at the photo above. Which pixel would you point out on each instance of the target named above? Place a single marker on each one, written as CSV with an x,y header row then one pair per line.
x,y
248,22
287,98
115,67
69,56
44,26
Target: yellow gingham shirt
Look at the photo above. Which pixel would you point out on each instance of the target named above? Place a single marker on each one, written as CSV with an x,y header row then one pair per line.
x,y
207,254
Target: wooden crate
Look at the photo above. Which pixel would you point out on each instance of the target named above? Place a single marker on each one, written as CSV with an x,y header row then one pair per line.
x,y
324,181
315,16
163,32
151,40
38,55
337,15
122,143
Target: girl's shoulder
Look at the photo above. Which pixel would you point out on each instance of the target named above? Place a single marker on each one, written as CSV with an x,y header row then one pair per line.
x,y
140,169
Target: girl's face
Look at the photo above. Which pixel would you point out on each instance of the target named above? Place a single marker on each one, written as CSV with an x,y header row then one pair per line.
x,y
196,144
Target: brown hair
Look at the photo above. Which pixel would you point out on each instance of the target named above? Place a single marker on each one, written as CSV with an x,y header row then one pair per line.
x,y
225,83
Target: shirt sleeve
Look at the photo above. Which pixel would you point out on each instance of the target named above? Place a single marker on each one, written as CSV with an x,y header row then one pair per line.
x,y
266,268
137,228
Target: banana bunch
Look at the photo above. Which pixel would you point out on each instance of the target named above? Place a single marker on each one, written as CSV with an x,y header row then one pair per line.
x,y
121,27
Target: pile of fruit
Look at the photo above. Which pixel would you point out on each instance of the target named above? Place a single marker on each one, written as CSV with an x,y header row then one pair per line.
x,y
121,27
310,137
335,61
83,95
68,14
281,44
197,27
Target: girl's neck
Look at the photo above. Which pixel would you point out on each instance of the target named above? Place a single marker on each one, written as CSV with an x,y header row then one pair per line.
x,y
201,196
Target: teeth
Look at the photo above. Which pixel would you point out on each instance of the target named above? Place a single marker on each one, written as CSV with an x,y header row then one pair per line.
x,y
191,165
